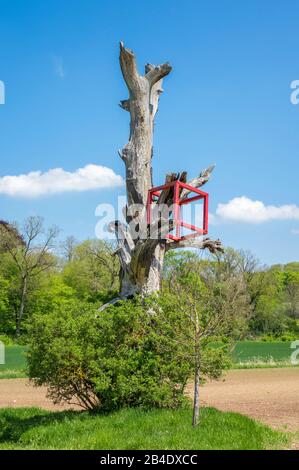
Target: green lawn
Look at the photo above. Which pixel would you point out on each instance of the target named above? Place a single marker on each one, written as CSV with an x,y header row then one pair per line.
x,y
134,429
15,362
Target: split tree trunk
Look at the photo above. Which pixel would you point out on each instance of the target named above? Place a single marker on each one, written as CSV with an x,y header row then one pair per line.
x,y
142,257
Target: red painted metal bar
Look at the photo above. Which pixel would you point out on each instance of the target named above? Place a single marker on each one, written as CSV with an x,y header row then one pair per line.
x,y
206,214
164,186
192,188
191,199
149,208
176,201
173,237
192,227
180,184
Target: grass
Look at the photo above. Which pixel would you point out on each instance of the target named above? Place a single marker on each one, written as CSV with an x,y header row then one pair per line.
x,y
258,354
32,428
15,362
261,364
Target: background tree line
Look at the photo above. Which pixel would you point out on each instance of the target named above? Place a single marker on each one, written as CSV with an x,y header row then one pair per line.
x,y
38,272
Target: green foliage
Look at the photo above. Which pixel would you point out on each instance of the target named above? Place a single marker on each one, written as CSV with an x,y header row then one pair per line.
x,y
89,272
92,272
27,255
294,266
268,318
4,303
50,293
176,316
275,305
218,292
134,429
6,340
9,294
119,357
284,338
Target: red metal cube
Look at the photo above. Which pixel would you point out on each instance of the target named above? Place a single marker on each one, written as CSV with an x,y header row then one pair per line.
x,y
178,202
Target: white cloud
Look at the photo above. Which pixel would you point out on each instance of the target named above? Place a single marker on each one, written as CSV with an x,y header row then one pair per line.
x,y
295,231
36,183
243,209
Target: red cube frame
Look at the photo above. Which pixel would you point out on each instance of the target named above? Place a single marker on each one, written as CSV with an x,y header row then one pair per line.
x,y
178,203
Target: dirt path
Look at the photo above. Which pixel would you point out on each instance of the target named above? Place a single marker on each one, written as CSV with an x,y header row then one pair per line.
x,y
268,395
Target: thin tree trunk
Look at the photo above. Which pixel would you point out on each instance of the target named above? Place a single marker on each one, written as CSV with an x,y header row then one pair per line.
x,y
195,419
22,307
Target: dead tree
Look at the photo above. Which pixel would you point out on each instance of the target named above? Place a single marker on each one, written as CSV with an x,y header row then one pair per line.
x,y
142,257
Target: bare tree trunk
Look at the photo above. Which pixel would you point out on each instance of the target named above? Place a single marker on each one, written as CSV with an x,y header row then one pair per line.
x,y
22,306
142,257
195,419
141,270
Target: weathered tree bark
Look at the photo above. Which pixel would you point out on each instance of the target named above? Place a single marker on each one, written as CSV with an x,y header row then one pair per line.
x,y
142,257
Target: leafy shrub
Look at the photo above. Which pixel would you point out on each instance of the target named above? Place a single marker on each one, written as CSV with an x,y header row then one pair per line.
x,y
6,340
107,360
286,338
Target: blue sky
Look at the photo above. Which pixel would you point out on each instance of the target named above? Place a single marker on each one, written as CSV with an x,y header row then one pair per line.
x,y
227,101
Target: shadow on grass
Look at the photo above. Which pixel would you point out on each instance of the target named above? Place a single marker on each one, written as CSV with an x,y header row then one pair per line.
x,y
14,422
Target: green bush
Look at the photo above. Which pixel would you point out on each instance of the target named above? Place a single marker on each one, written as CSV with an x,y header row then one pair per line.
x,y
107,360
286,338
6,340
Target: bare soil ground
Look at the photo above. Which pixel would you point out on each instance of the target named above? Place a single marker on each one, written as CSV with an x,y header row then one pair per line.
x,y
267,395
16,393
270,396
